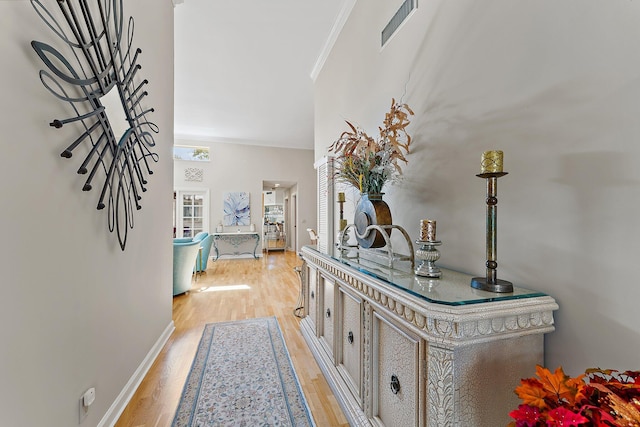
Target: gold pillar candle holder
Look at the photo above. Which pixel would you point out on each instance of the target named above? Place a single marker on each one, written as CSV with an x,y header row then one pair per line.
x,y
427,230
489,172
492,162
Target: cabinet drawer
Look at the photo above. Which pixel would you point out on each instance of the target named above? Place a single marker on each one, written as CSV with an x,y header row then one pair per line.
x,y
350,342
312,296
327,314
396,374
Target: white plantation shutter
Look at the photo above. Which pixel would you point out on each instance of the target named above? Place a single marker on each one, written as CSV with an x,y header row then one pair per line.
x,y
324,168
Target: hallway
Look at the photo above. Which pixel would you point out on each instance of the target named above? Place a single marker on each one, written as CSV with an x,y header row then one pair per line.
x,y
231,289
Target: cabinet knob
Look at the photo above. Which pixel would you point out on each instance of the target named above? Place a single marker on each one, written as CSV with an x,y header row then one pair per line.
x,y
350,337
395,384
328,312
313,295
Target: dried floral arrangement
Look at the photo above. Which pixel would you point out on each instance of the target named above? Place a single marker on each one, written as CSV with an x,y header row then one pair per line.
x,y
599,397
367,163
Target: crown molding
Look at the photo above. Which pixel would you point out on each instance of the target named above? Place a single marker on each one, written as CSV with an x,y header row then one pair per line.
x,y
347,7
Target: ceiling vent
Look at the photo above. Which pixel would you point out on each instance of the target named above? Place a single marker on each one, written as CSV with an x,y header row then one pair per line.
x,y
400,16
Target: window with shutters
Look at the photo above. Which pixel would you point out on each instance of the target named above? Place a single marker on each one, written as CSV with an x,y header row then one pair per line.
x,y
325,171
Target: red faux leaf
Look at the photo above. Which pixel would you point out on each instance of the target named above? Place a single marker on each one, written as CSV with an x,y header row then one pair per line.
x,y
598,416
526,416
562,417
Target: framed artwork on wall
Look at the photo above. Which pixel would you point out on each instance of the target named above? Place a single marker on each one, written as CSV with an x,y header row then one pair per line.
x,y
237,209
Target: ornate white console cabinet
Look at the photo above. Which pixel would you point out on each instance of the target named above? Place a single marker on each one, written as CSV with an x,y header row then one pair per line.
x,y
399,351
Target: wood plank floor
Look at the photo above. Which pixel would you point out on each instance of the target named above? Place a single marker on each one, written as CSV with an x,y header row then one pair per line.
x,y
231,289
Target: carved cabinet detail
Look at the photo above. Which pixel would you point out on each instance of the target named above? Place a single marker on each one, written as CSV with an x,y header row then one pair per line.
x,y
349,362
399,351
396,368
327,314
311,296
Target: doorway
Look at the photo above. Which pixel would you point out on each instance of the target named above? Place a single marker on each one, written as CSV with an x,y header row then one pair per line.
x,y
279,196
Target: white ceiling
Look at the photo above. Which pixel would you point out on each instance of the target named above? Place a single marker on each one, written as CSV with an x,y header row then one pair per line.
x,y
242,69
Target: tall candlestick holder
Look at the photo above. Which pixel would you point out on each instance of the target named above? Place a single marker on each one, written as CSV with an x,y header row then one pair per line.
x,y
428,253
491,283
343,236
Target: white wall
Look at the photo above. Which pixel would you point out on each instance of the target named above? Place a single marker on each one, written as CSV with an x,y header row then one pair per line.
x,y
238,167
77,311
556,86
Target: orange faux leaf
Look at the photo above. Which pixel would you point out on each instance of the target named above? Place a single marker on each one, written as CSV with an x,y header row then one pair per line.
x,y
583,392
532,393
577,387
558,384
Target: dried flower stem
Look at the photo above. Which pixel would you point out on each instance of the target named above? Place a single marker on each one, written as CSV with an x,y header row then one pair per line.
x,y
368,164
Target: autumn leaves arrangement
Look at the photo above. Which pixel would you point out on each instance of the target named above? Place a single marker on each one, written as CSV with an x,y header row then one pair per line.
x,y
599,397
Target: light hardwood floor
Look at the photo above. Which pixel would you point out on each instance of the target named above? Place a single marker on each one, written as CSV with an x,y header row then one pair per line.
x,y
269,287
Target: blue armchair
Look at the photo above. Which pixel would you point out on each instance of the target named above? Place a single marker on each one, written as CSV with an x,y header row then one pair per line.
x,y
185,255
182,239
205,244
205,240
200,236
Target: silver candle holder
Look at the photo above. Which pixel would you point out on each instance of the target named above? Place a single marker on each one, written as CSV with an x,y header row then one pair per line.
x,y
428,254
491,283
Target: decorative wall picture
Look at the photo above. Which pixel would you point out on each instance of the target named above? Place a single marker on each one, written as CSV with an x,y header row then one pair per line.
x,y
99,79
237,210
193,174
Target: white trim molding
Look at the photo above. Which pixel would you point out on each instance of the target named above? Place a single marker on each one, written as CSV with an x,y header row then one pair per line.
x,y
117,407
347,7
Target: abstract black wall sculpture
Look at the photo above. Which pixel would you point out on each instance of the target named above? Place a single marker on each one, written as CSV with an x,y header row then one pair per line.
x,y
100,63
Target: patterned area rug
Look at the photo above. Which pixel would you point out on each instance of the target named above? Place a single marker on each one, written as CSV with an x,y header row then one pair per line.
x,y
242,375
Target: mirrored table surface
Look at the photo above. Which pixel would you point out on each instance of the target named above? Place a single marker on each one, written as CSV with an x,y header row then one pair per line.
x,y
452,288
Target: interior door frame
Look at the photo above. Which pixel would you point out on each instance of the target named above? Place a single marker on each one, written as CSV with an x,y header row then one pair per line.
x,y
294,221
287,219
180,191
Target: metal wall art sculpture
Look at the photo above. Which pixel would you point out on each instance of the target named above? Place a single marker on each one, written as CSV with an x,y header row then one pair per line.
x,y
101,63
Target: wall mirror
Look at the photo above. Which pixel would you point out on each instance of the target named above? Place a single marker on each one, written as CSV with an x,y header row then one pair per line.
x,y
98,75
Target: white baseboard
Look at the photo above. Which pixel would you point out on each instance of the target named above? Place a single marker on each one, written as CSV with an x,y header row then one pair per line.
x,y
130,388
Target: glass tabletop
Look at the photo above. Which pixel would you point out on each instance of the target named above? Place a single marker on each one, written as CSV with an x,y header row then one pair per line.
x,y
452,288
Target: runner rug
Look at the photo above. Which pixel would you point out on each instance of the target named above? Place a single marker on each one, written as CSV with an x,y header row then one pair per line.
x,y
242,375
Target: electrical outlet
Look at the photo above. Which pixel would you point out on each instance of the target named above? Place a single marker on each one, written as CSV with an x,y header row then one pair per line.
x,y
87,398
